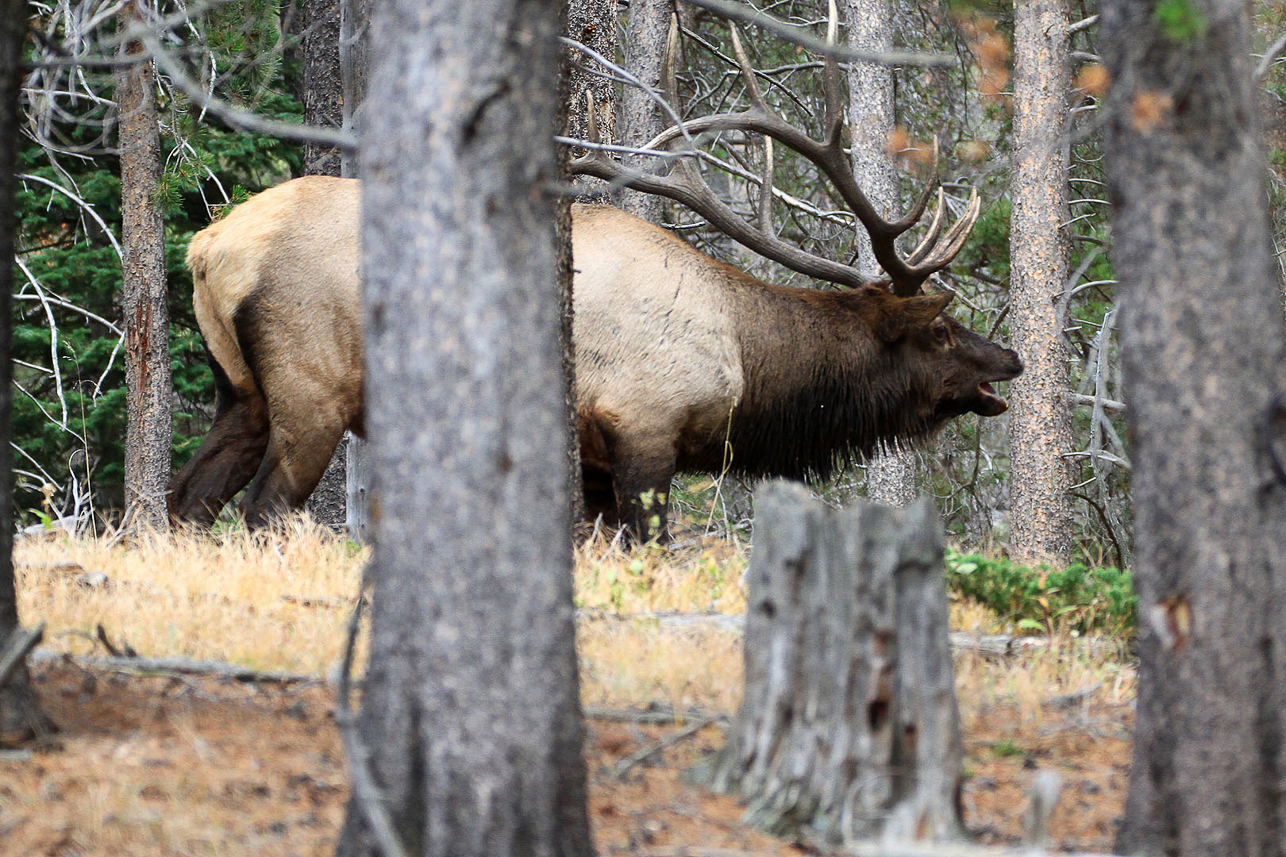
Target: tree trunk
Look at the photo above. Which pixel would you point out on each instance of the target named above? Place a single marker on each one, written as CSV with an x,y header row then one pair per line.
x,y
324,106
891,475
593,24
323,83
354,45
146,315
470,705
647,33
20,717
1040,425
1203,345
848,724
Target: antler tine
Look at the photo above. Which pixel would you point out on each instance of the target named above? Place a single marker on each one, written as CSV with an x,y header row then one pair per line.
x,y
591,118
956,237
917,211
830,81
747,71
931,234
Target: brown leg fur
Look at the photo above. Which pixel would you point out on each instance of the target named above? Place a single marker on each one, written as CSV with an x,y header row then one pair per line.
x,y
642,469
223,464
291,469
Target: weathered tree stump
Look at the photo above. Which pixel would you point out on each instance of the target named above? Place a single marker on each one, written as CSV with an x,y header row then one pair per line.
x,y
848,726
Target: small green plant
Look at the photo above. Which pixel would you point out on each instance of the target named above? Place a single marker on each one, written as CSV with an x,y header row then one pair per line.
x,y
1077,598
1180,20
1006,748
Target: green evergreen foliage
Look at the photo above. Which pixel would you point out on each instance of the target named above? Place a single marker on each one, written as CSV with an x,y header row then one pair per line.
x,y
69,427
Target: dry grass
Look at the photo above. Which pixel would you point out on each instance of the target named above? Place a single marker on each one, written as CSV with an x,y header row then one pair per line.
x,y
166,771
278,601
272,601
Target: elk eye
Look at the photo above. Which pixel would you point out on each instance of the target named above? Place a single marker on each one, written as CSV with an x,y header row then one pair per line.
x,y
941,333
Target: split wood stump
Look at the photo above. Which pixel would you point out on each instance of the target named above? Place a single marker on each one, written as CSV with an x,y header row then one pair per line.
x,y
848,728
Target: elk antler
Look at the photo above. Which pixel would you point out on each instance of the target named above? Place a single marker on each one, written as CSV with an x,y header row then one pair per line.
x,y
685,185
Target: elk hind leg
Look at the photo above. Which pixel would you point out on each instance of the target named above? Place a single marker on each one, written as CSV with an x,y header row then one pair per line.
x,y
296,458
226,459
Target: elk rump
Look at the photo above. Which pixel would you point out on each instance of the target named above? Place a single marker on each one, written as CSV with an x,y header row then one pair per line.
x,y
683,363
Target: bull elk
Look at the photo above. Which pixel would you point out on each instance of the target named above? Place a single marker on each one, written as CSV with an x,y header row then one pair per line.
x,y
683,363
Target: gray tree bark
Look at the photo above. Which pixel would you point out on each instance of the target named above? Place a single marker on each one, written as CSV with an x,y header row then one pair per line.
x,y
148,427
20,717
593,24
1204,346
470,705
1040,478
848,724
354,49
323,83
324,106
647,33
891,475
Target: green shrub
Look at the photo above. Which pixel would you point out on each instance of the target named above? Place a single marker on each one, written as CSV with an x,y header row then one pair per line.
x,y
1077,598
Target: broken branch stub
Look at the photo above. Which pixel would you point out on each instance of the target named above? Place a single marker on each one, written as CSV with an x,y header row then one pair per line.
x,y
848,724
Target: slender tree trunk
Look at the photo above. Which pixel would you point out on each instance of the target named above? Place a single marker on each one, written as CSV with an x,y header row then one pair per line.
x,y
324,106
354,44
647,33
323,83
1204,346
20,716
593,24
470,706
890,476
147,321
1040,425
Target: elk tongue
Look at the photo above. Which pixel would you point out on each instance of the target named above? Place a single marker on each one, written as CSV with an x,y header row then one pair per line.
x,y
994,403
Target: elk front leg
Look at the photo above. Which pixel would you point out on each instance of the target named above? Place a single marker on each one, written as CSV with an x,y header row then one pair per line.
x,y
641,477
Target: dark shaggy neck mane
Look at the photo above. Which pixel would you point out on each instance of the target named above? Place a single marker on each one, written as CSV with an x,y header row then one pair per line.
x,y
820,392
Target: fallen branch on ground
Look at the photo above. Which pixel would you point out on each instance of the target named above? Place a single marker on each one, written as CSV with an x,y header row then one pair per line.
x,y
16,649
659,715
182,666
623,766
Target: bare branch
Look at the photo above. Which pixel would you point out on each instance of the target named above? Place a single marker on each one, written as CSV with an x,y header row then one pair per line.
x,y
747,14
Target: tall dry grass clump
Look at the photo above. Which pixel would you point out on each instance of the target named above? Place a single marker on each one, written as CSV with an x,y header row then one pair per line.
x,y
274,600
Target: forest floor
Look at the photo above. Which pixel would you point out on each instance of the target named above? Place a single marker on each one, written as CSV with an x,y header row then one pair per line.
x,y
169,764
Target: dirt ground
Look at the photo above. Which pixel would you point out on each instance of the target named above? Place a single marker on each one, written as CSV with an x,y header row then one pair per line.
x,y
159,765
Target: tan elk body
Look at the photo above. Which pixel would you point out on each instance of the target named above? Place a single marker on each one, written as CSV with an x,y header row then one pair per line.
x,y
682,362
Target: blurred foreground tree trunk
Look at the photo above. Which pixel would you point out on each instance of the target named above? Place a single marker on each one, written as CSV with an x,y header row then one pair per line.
x,y
470,708
1204,350
20,716
1040,423
324,106
145,313
891,475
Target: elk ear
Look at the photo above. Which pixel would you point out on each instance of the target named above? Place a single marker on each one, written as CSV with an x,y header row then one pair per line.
x,y
910,314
